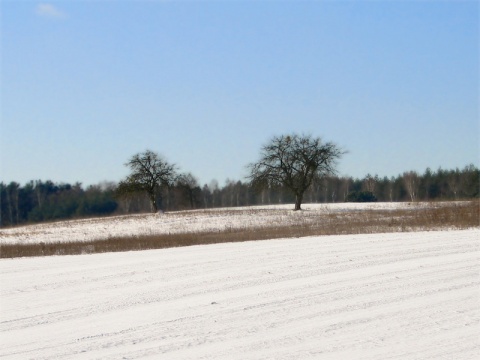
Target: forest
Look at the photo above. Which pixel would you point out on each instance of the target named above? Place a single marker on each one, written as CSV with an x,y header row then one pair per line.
x,y
40,201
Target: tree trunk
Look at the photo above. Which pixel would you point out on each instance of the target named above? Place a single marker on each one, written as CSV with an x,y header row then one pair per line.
x,y
153,201
298,201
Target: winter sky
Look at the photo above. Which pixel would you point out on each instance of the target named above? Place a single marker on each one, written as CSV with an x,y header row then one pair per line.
x,y
87,84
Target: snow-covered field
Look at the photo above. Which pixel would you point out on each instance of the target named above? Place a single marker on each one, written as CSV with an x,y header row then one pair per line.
x,y
185,222
376,296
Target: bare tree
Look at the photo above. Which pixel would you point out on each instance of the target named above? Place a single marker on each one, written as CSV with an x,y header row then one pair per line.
x,y
150,172
453,181
215,192
206,196
370,183
411,181
12,197
189,183
391,184
345,187
294,161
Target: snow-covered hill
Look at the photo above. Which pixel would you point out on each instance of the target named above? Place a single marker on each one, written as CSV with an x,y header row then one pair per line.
x,y
186,222
376,296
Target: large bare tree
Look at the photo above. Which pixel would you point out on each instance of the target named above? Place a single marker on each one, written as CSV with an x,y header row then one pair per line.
x,y
149,173
294,161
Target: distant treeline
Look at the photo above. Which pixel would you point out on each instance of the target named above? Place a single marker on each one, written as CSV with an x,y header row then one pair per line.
x,y
39,201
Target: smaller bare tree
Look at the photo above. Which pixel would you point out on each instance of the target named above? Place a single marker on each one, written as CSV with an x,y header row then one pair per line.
x,y
149,173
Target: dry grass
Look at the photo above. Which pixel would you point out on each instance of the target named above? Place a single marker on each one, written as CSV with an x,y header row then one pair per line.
x,y
453,215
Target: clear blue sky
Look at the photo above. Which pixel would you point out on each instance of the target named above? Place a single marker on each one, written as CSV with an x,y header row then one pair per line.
x,y
87,84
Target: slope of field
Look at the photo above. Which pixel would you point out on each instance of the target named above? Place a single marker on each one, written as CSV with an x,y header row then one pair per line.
x,y
375,296
196,221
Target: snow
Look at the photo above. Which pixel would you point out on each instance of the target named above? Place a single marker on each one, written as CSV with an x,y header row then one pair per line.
x,y
375,296
184,222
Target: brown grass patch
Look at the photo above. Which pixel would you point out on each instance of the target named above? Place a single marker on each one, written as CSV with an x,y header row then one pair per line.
x,y
433,217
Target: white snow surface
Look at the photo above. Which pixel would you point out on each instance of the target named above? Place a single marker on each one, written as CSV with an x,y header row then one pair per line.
x,y
376,296
192,221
